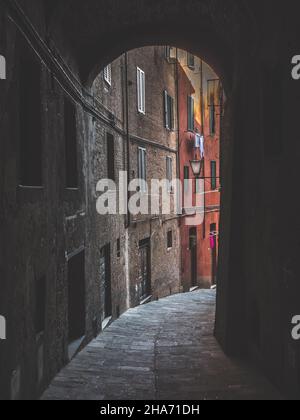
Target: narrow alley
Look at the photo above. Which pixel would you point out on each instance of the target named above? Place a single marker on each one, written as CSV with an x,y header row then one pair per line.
x,y
164,350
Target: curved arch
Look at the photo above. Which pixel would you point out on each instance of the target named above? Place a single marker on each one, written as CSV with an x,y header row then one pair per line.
x,y
101,30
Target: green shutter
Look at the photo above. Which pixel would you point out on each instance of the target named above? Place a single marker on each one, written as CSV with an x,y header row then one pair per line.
x,y
166,109
186,178
213,175
191,113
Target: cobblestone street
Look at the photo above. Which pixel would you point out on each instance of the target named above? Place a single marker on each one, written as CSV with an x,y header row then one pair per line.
x,y
161,351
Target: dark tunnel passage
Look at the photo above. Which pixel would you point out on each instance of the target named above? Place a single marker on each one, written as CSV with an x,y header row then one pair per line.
x,y
53,52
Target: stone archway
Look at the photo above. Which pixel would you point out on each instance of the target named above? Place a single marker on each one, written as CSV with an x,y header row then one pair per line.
x,y
218,32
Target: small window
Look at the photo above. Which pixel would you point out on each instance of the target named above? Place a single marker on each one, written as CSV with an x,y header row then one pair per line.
x,y
71,144
169,172
110,157
141,91
186,178
169,111
118,248
169,53
2,68
191,61
191,113
170,239
40,305
142,170
30,123
212,120
213,166
107,74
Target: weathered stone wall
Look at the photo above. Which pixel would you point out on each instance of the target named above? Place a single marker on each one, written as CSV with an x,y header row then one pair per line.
x,y
246,43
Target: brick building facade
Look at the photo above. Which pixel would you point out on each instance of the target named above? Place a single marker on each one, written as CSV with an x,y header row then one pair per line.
x,y
200,110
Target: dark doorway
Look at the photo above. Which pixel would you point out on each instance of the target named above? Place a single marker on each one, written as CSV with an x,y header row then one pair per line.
x,y
193,250
105,282
213,246
144,270
76,286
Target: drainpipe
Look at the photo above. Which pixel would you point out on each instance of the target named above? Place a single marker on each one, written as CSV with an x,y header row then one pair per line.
x,y
177,110
128,220
178,160
202,124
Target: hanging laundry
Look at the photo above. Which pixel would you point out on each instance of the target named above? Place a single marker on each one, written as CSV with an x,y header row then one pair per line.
x,y
202,146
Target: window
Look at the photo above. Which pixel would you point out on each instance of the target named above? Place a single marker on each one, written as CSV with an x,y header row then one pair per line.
x,y
40,305
71,145
186,178
107,74
168,52
191,61
212,120
141,91
110,157
142,171
213,166
214,94
191,113
169,111
30,123
76,296
170,239
169,172
118,248
2,68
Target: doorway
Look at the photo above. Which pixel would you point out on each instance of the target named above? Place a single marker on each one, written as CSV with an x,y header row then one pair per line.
x,y
193,251
105,285
144,270
76,302
213,246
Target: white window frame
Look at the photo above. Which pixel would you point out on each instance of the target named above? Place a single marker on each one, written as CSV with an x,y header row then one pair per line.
x,y
141,91
142,167
169,111
169,174
107,74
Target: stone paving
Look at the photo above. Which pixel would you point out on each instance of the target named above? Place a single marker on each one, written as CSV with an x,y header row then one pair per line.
x,y
161,351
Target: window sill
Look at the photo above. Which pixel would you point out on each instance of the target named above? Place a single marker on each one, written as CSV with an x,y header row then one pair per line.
x,y
28,187
146,300
106,323
72,189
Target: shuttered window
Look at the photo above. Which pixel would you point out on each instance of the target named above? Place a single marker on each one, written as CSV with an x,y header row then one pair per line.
x,y
213,166
141,91
186,178
169,111
142,169
170,239
191,61
191,113
169,172
110,157
107,74
212,120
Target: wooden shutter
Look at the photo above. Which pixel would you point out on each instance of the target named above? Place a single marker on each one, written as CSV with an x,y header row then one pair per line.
x,y
191,124
141,89
166,109
213,175
107,74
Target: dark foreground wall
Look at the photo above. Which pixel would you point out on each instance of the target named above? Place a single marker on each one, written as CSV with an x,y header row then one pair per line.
x,y
250,45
